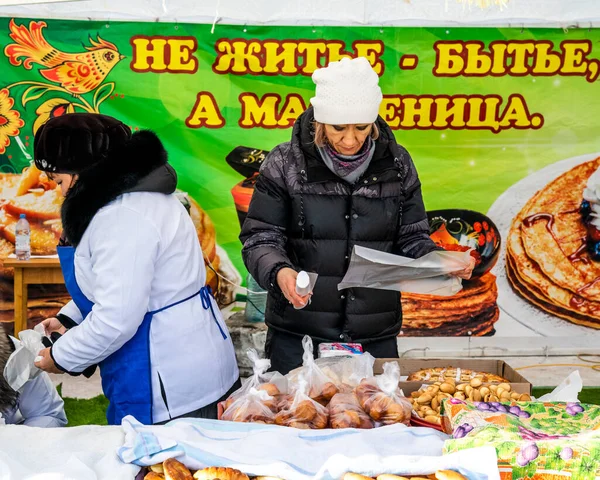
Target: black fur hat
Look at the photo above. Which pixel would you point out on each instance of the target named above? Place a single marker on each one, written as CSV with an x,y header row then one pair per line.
x,y
75,142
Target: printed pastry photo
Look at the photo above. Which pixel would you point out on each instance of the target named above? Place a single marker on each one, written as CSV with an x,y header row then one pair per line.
x,y
550,249
473,311
33,194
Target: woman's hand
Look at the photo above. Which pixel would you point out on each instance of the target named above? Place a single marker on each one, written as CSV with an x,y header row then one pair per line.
x,y
46,363
53,325
466,273
286,279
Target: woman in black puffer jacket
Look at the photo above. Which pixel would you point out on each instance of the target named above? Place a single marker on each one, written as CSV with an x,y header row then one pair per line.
x,y
341,181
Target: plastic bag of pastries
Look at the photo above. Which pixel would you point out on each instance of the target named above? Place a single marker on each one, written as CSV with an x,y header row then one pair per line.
x,y
255,406
345,412
320,387
301,411
347,370
381,398
273,383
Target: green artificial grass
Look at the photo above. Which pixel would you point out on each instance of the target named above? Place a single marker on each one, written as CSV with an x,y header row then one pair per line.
x,y
92,411
589,395
86,411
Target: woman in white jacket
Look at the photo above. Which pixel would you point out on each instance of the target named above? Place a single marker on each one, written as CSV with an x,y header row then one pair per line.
x,y
134,268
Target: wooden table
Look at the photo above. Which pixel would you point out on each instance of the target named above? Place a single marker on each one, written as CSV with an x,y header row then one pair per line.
x,y
36,271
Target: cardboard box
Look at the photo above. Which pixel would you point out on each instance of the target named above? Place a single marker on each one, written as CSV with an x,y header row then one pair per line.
x,y
498,367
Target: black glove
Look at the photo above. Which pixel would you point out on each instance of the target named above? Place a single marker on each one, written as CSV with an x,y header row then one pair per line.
x,y
54,336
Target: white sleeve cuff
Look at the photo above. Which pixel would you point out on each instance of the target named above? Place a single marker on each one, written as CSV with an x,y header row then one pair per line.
x,y
71,311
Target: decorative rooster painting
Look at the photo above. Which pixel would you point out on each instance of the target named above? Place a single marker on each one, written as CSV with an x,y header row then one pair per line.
x,y
78,73
70,82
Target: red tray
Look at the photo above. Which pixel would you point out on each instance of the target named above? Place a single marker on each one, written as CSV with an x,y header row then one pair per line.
x,y
419,422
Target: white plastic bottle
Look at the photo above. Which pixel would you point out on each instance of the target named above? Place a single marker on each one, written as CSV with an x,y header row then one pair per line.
x,y
23,238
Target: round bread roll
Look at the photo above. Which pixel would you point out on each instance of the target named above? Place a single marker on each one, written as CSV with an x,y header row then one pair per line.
x,y
220,473
355,476
154,476
175,470
449,475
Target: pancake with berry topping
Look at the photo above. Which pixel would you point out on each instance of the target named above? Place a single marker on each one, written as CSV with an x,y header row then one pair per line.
x,y
548,261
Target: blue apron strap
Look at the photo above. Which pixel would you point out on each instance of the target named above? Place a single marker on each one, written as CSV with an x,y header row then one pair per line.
x,y
205,295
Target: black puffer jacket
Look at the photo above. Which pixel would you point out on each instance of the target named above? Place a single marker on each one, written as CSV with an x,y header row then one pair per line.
x,y
305,217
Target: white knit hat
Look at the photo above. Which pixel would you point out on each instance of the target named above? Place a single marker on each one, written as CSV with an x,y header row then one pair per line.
x,y
347,93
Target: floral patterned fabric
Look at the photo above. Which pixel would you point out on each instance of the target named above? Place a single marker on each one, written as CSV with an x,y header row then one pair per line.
x,y
534,440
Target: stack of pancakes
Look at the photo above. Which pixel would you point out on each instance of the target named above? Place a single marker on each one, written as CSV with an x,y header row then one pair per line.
x,y
472,311
33,194
546,258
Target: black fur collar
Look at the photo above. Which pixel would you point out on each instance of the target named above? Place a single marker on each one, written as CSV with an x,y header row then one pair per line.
x,y
120,172
8,397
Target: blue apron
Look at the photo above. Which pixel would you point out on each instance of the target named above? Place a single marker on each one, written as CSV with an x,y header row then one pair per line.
x,y
126,374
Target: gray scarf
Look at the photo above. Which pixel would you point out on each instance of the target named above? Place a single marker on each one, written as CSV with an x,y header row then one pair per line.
x,y
348,167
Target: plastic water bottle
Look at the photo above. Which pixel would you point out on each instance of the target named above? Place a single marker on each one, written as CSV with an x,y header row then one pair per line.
x,y
23,238
256,301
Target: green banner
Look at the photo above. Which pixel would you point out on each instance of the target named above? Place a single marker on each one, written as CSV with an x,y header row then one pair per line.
x,y
479,109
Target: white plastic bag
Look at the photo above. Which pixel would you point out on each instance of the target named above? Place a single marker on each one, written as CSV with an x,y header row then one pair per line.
x,y
274,383
320,387
347,370
300,410
568,390
381,398
256,406
20,368
430,274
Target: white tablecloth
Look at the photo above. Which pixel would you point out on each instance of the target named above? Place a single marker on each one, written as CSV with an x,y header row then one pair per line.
x,y
294,454
79,453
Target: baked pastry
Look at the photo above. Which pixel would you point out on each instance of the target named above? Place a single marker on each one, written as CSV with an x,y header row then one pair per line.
x,y
381,407
220,473
175,470
449,475
270,389
249,411
154,476
439,475
345,412
323,394
458,374
355,476
158,468
306,414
